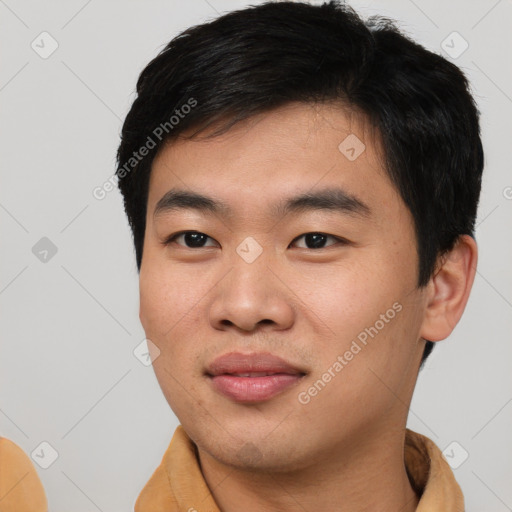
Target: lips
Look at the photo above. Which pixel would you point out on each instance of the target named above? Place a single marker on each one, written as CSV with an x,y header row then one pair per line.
x,y
252,378
254,374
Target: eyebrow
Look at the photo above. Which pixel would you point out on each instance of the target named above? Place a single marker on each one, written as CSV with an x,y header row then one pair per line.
x,y
336,200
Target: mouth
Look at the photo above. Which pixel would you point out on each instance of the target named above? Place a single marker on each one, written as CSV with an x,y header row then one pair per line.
x,y
252,378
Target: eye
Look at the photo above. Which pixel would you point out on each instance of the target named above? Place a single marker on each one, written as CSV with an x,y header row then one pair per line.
x,y
317,240
197,240
192,239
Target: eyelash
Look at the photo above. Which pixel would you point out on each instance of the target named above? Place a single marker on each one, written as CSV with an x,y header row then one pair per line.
x,y
171,238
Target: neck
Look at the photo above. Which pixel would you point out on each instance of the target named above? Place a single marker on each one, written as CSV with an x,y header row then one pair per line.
x,y
368,476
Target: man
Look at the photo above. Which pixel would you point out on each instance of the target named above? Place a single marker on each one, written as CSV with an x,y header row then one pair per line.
x,y
302,187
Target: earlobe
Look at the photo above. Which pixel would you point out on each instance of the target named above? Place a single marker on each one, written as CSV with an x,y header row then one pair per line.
x,y
449,288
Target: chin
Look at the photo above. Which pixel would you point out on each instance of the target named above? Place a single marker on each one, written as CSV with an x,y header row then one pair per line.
x,y
250,451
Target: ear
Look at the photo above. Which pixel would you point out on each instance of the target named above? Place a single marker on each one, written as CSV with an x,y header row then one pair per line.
x,y
448,289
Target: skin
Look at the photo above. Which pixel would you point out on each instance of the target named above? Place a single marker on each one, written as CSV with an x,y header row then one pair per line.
x,y
343,450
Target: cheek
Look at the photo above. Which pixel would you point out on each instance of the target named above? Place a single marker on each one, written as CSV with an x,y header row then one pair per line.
x,y
156,315
160,311
169,308
347,299
168,297
366,320
173,312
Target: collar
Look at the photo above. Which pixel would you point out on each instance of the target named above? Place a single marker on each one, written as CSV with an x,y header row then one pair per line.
x,y
178,484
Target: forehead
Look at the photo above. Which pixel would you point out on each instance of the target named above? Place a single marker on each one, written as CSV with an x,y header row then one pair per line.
x,y
295,149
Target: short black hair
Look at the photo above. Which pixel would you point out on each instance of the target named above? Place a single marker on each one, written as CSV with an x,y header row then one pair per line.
x,y
256,59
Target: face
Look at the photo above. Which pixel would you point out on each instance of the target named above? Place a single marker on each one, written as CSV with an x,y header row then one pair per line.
x,y
328,285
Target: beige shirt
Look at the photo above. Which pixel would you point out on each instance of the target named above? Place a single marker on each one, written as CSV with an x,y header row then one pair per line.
x,y
178,484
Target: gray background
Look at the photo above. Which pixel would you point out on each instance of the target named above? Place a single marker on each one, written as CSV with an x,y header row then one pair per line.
x,y
69,325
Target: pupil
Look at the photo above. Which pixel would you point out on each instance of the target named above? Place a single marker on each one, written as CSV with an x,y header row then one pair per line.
x,y
316,239
193,239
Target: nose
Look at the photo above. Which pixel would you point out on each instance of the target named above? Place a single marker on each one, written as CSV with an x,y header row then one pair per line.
x,y
252,295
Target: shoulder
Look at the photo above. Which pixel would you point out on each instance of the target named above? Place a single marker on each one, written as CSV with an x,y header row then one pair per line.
x,y
8,447
20,487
